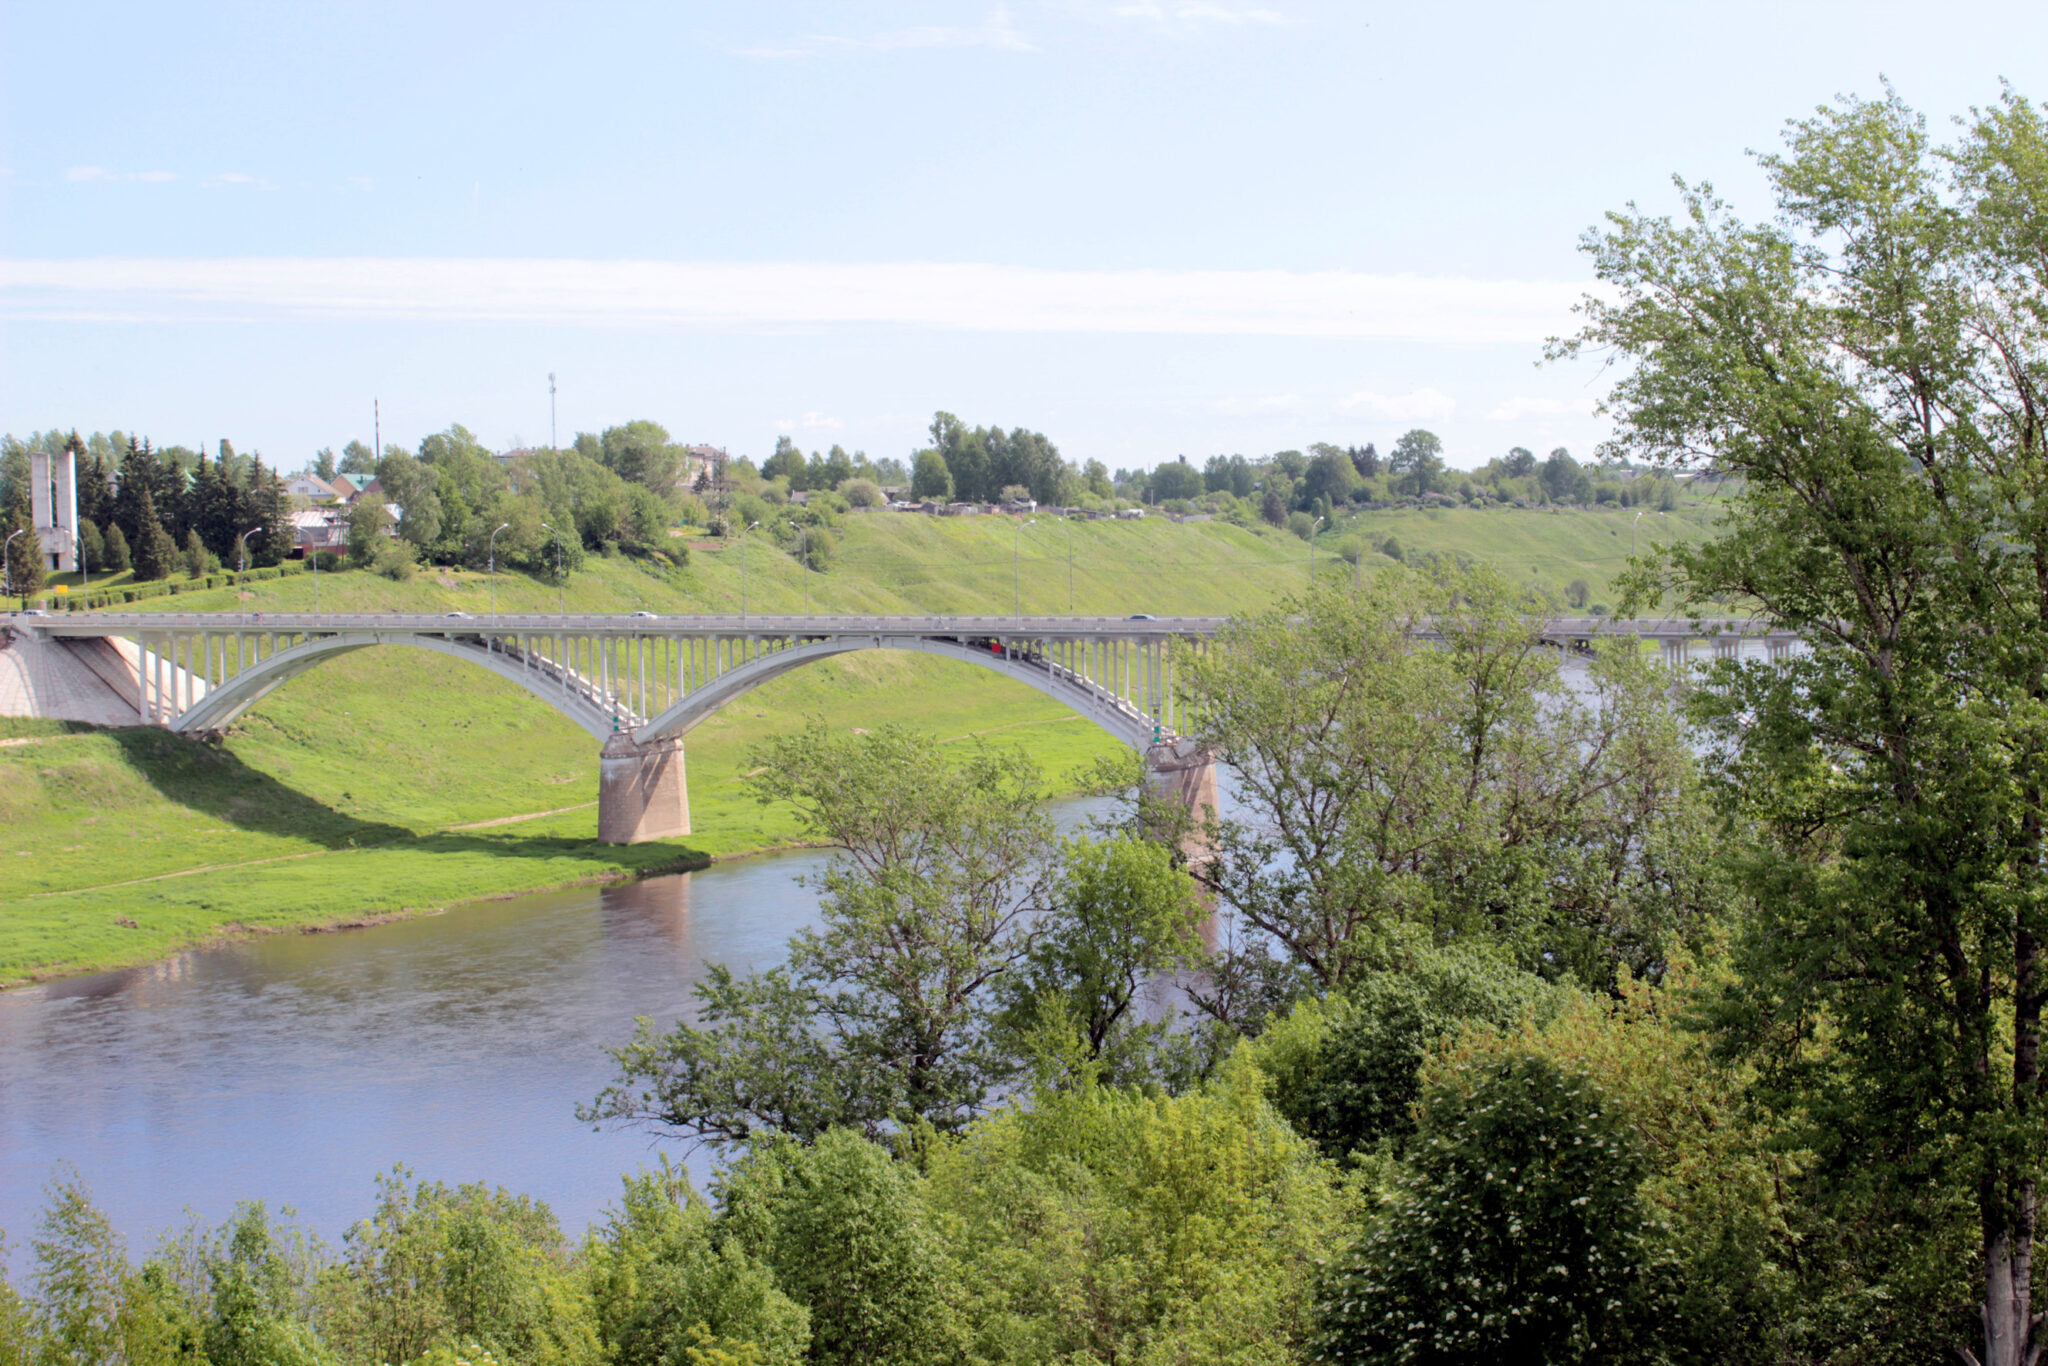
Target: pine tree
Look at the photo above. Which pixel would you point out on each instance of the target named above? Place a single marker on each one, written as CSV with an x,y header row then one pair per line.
x,y
118,560
24,558
155,552
268,507
138,481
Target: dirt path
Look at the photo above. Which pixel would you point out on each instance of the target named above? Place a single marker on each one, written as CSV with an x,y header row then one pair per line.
x,y
529,816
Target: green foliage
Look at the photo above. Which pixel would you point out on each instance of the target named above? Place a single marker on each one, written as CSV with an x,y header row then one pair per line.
x,y
1345,1070
394,558
930,479
885,1014
671,1287
1395,787
1121,915
116,553
1869,362
1518,1236
849,1237
442,1267
1097,1224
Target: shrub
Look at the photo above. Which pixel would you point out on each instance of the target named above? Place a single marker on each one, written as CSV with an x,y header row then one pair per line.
x,y
861,493
395,559
1301,524
326,560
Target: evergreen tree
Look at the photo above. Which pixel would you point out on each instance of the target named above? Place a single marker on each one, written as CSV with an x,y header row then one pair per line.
x,y
213,508
118,560
167,492
268,508
24,557
138,481
155,552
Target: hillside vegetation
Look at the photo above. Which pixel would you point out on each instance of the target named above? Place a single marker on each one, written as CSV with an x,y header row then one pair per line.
x,y
346,794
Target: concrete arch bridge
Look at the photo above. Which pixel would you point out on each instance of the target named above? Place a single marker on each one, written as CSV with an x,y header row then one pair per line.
x,y
639,684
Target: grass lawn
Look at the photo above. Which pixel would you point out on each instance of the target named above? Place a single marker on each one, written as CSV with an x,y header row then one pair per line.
x,y
392,780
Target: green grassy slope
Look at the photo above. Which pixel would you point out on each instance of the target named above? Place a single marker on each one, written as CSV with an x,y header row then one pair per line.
x,y
345,794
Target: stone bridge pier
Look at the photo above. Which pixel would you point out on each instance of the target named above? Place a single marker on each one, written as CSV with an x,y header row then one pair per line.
x,y
643,791
1182,774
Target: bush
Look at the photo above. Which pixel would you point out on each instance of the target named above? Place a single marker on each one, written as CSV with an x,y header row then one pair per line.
x,y
1578,593
117,557
1301,524
861,493
328,561
1518,1236
395,560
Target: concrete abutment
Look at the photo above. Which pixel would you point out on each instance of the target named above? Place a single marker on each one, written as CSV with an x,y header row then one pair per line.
x,y
643,791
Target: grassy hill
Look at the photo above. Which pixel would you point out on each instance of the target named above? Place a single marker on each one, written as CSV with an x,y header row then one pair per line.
x,y
394,780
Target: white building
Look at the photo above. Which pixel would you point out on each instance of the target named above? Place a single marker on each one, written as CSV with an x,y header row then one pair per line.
x,y
53,505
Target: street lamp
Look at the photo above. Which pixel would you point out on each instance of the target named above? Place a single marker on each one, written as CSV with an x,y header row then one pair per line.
x,y
7,558
805,532
560,610
242,559
743,567
494,567
84,569
1632,530
1016,577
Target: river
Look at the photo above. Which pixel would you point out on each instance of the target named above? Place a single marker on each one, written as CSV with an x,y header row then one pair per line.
x,y
295,1067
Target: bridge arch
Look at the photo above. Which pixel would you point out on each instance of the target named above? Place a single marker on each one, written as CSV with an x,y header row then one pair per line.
x,y
1106,709
222,706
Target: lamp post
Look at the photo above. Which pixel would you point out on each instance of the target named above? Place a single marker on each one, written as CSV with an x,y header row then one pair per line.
x,y
84,569
560,610
1016,575
494,567
805,532
1632,530
743,567
7,559
242,559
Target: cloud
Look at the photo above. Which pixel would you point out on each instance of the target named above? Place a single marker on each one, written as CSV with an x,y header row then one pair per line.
x,y
811,422
997,32
1522,405
768,295
1271,403
1193,12
1420,405
85,175
237,178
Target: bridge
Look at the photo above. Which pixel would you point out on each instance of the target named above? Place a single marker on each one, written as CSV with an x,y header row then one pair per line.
x,y
638,684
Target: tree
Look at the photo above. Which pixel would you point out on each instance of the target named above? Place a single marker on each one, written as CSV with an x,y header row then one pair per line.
x,y
369,524
885,1015
1330,475
850,1239
1578,593
414,489
1872,362
930,480
358,460
1174,479
1560,477
25,570
1417,461
267,510
1122,914
155,553
118,558
1518,463
323,463
1450,790
640,452
1518,1235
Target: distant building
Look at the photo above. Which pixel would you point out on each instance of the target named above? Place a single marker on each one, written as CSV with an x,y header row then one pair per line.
x,y
53,504
320,528
310,486
344,488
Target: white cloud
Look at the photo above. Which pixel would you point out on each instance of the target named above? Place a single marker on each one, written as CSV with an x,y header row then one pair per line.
x,y
84,175
742,295
1420,405
1522,406
998,31
1193,12
1271,403
237,178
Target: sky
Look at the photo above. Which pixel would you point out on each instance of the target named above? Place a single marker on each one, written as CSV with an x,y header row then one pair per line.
x,y
1147,228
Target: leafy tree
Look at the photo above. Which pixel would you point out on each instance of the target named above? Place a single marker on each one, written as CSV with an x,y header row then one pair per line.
x,y
1561,477
16,1324
641,452
1330,475
1417,462
885,1014
786,463
669,1284
1095,475
850,1239
861,493
1174,479
930,480
1346,1070
1366,460
414,489
1578,593
358,460
1393,788
323,463
1870,363
1518,463
1518,1236
369,522
440,1266
1121,915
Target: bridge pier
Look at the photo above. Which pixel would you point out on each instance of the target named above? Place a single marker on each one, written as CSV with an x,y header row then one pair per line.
x,y
1182,774
643,792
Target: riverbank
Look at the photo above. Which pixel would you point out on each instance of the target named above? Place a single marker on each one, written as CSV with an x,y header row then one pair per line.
x,y
392,784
